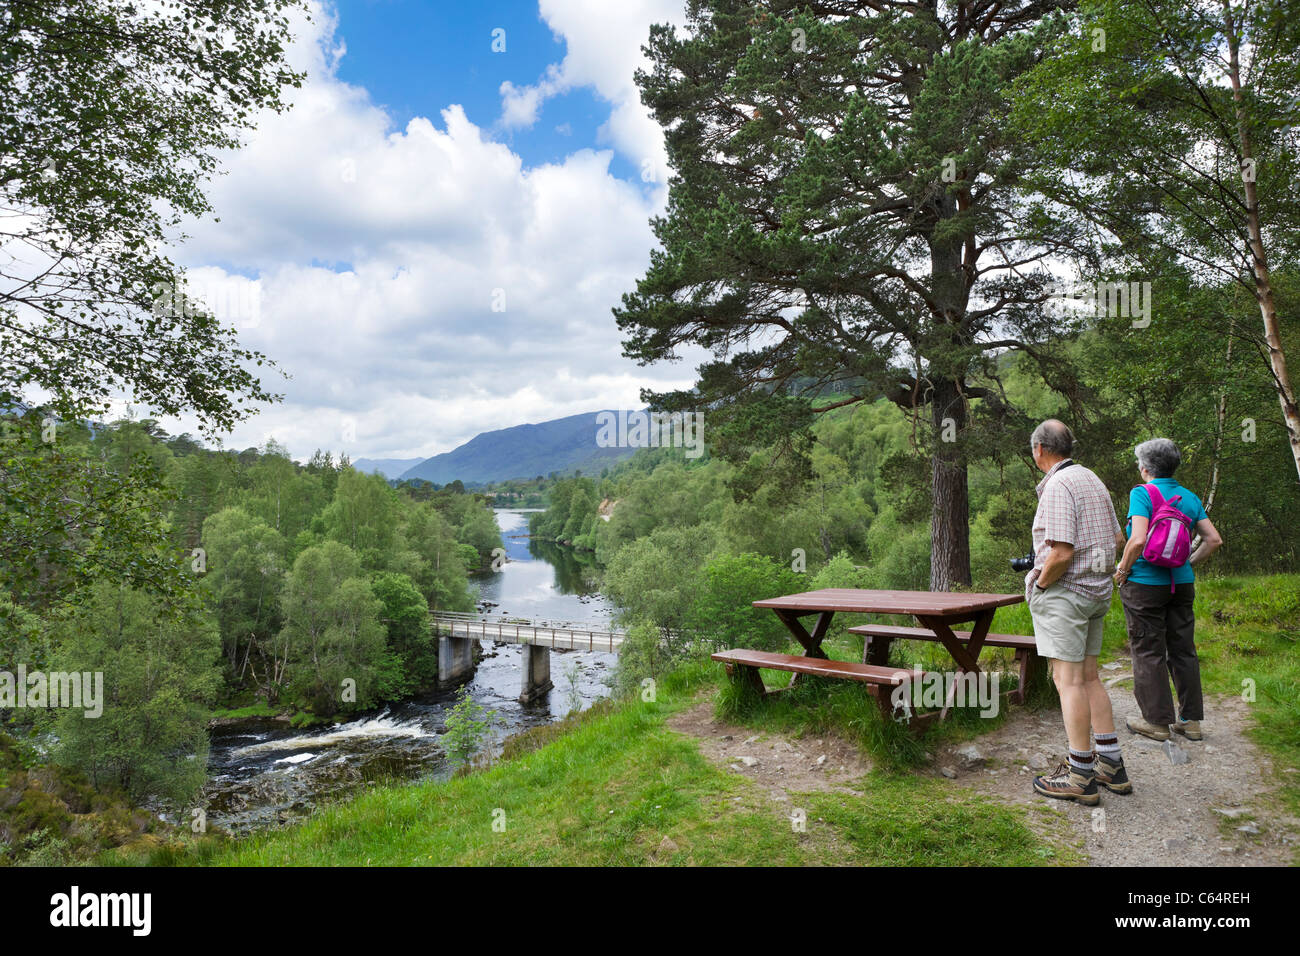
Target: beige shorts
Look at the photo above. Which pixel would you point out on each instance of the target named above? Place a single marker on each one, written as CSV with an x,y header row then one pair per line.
x,y
1067,624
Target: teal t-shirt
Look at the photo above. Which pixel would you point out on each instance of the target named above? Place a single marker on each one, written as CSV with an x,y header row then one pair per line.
x,y
1139,503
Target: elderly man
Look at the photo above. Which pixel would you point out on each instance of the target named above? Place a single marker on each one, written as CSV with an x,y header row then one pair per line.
x,y
1076,535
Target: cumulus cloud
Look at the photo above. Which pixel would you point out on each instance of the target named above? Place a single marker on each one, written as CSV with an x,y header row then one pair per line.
x,y
603,50
422,285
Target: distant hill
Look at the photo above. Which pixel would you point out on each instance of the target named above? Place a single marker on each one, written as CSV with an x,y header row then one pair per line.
x,y
523,451
388,467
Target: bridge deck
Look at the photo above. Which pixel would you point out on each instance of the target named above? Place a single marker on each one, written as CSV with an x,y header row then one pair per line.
x,y
568,636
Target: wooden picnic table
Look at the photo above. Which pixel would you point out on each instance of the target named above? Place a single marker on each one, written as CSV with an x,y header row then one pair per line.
x,y
936,611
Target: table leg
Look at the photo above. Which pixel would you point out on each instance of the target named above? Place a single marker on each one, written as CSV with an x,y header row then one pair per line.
x,y
967,657
812,643
750,676
979,633
875,650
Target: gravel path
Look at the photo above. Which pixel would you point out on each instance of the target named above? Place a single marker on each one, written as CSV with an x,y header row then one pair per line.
x,y
1215,809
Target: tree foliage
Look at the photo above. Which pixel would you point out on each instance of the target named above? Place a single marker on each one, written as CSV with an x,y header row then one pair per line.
x,y
160,680
114,115
846,217
1204,96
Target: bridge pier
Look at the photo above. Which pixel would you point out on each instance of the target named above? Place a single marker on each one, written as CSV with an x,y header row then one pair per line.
x,y
536,663
455,658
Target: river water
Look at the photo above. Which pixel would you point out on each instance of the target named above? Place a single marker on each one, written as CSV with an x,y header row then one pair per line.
x,y
264,773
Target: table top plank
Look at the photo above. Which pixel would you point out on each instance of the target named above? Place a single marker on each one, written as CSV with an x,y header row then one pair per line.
x,y
862,601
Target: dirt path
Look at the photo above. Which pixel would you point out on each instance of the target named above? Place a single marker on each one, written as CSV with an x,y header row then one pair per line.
x,y
1213,810
781,765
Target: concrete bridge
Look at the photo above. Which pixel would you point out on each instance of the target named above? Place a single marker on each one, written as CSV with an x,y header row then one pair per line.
x,y
457,632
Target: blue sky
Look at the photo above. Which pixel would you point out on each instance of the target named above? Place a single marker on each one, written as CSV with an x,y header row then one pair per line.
x,y
416,56
431,240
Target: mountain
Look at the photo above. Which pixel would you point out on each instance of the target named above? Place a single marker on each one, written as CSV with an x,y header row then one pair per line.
x,y
523,451
388,467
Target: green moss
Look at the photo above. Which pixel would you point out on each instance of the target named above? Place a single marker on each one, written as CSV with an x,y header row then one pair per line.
x,y
258,709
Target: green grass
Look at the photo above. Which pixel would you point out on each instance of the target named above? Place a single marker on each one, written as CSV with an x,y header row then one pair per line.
x,y
1248,638
620,788
902,820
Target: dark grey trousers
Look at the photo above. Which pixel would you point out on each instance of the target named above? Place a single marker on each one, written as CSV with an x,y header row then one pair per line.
x,y
1160,626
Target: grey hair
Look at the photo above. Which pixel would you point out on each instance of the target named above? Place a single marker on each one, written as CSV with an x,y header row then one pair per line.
x,y
1160,456
1053,436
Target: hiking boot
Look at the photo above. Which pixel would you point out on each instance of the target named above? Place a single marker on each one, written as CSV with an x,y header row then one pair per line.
x,y
1191,729
1067,783
1112,775
1136,725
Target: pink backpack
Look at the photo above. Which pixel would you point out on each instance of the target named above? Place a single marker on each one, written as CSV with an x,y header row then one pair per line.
x,y
1169,533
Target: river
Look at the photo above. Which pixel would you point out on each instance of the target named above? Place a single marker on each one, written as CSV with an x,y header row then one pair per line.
x,y
263,773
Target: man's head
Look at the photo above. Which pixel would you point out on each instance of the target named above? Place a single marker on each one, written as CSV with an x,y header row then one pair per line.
x,y
1052,441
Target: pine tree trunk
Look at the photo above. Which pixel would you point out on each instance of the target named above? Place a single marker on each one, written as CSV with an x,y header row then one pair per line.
x,y
949,495
949,498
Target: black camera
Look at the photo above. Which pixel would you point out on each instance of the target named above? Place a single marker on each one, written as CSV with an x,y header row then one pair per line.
x,y
1023,564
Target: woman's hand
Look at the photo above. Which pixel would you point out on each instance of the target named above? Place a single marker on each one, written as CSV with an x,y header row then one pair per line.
x,y
1120,575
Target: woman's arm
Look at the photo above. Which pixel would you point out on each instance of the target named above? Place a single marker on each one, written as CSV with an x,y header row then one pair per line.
x,y
1136,542
1210,541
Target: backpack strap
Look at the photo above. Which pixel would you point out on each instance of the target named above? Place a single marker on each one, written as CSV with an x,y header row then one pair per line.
x,y
1157,499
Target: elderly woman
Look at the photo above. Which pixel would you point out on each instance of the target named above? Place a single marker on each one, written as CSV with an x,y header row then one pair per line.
x,y
1158,602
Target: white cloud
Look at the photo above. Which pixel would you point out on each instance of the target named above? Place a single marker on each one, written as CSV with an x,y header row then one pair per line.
x,y
379,255
603,50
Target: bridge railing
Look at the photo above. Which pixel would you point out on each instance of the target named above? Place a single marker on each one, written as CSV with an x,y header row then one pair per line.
x,y
561,634
572,635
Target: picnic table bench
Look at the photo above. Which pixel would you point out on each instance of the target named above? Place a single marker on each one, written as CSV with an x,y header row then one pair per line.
x,y
878,637
936,611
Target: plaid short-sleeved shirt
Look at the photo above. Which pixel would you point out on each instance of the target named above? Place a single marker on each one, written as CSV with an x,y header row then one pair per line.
x,y
1074,507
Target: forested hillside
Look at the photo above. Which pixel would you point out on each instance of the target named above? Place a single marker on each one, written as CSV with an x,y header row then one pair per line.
x,y
196,579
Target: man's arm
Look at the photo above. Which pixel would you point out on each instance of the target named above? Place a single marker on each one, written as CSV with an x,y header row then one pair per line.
x,y
1056,563
1060,526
